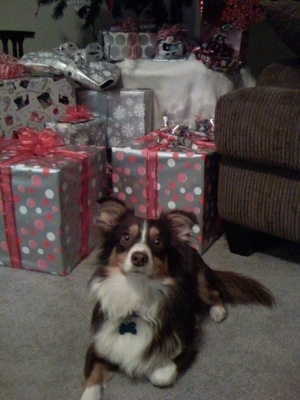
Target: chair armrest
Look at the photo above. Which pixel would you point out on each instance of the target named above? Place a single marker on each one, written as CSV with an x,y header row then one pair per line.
x,y
260,125
280,75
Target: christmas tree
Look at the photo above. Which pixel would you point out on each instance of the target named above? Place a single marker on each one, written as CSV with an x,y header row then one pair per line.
x,y
89,10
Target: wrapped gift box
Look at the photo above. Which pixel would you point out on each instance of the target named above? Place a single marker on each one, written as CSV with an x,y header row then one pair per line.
x,y
171,50
32,101
89,133
128,111
151,177
171,42
220,64
47,207
119,45
213,30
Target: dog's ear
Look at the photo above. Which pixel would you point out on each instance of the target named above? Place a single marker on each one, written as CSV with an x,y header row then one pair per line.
x,y
110,210
182,223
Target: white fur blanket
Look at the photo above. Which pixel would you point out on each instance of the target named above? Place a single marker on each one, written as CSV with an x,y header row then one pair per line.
x,y
182,89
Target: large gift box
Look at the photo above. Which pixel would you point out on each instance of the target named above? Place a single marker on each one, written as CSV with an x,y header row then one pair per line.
x,y
78,126
48,200
31,101
128,111
152,175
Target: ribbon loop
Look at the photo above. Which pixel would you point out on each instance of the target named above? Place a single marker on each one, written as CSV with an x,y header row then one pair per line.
x,y
39,143
77,114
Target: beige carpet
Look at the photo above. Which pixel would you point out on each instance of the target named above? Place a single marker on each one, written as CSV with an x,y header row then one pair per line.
x,y
254,354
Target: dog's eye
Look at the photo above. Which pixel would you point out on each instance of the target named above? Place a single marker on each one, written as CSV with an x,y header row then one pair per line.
x,y
158,242
126,237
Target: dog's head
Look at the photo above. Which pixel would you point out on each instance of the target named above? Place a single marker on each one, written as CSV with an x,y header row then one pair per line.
x,y
140,247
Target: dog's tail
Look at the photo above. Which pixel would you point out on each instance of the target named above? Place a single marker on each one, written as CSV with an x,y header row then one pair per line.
x,y
237,288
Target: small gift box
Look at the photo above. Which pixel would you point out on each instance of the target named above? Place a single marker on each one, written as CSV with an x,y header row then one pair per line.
x,y
171,43
48,200
121,45
79,126
217,55
161,172
128,111
126,41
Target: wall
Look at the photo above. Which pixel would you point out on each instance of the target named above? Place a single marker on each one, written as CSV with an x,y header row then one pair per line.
x,y
20,15
264,47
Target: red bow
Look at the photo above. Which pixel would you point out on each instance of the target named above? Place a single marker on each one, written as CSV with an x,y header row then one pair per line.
x,y
39,143
77,114
31,142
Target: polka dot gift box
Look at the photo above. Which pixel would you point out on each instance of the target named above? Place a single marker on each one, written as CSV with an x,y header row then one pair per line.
x,y
119,45
47,204
151,177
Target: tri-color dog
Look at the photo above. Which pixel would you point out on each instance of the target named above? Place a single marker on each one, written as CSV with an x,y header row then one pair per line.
x,y
152,290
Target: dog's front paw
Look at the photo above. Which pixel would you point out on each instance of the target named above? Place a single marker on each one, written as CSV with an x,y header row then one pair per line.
x,y
218,313
92,393
164,376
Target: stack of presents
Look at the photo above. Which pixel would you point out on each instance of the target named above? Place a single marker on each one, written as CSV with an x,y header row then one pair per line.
x,y
69,136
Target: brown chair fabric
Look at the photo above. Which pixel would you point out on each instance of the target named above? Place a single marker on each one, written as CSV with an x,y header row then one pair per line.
x,y
260,125
279,75
262,198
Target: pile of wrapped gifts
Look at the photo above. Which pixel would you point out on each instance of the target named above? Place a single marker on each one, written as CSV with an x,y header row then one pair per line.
x,y
69,136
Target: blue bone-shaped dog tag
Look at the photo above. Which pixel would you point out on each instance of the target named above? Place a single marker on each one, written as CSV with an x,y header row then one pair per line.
x,y
129,327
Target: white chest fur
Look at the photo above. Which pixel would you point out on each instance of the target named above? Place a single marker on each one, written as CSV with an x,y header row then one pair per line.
x,y
120,297
126,349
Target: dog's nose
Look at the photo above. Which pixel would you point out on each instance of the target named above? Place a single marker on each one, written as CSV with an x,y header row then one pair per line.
x,y
139,259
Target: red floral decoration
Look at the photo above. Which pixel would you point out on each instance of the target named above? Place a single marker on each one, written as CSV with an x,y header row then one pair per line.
x,y
242,13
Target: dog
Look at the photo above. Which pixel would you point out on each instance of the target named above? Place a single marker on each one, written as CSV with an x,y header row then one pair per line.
x,y
152,290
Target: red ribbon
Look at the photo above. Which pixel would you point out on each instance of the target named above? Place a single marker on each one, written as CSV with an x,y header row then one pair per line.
x,y
77,114
134,48
39,144
31,143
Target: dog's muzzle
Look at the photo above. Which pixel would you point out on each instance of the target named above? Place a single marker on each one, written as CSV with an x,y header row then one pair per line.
x,y
139,259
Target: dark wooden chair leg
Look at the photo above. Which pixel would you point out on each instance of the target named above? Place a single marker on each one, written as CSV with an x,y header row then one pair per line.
x,y
241,240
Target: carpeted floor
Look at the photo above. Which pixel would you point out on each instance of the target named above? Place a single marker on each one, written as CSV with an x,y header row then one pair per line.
x,y
254,354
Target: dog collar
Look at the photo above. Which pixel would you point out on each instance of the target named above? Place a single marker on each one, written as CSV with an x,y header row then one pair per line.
x,y
128,326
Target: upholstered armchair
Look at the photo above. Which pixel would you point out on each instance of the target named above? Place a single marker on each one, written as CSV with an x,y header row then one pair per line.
x,y
257,132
